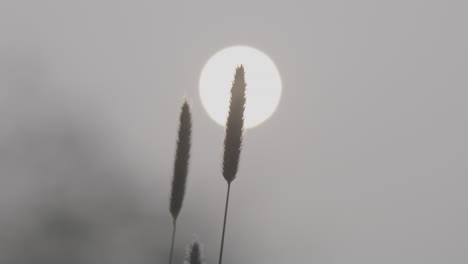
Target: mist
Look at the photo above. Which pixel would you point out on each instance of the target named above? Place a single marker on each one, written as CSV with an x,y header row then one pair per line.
x,y
364,161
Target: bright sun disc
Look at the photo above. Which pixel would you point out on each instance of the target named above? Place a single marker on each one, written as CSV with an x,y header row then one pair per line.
x,y
263,90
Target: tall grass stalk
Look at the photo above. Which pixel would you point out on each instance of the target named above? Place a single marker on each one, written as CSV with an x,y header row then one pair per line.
x,y
180,169
233,140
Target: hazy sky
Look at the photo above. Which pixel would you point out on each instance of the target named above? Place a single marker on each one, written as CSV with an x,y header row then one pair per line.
x,y
365,160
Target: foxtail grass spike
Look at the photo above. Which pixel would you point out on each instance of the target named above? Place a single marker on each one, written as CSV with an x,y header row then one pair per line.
x,y
234,126
195,254
233,140
180,168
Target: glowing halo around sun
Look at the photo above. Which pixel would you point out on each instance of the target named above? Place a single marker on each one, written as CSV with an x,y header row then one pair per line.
x,y
263,80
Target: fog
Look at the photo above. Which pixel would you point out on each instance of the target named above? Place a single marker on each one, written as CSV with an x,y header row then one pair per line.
x,y
364,160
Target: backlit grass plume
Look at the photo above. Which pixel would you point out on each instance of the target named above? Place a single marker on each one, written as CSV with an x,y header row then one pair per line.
x,y
233,139
195,254
180,168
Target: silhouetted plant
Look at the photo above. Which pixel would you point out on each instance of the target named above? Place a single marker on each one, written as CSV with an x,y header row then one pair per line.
x,y
180,169
195,254
233,139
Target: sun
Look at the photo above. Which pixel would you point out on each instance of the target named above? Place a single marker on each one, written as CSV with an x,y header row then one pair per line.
x,y
263,80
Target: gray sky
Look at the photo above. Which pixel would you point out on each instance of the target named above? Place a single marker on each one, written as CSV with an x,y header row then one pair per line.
x,y
365,160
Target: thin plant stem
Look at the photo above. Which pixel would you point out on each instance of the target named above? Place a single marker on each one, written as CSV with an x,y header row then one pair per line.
x,y
174,225
224,224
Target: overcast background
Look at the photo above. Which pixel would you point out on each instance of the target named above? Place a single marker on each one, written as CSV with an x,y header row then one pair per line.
x,y
365,160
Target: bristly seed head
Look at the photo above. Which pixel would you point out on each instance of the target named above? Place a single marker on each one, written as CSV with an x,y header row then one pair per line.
x,y
234,126
181,161
195,254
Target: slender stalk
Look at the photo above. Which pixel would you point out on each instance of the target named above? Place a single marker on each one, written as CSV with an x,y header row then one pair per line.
x,y
180,169
233,139
174,225
224,224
